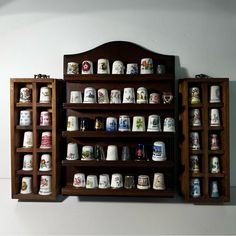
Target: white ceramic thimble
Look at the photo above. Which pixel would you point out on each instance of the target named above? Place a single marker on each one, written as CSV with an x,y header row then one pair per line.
x,y
87,153
215,94
103,96
169,124
115,96
118,67
72,68
103,66
26,185
25,118
158,181
112,153
75,97
214,165
143,182
28,139
72,151
146,66
87,67
72,123
142,95
45,118
45,185
124,123
90,95
159,151
25,95
28,162
45,95
79,180
154,123
46,140
104,181
116,181
214,117
45,162
138,123
91,182
128,96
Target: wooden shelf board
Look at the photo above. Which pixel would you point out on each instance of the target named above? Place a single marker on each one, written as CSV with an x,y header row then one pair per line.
x,y
195,128
117,134
22,104
24,172
22,149
70,190
118,78
21,127
211,128
196,175
34,197
44,172
220,104
39,127
130,164
44,150
133,106
43,104
216,175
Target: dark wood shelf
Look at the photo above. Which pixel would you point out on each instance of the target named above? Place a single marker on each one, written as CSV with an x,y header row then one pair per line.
x,y
215,152
133,106
216,175
118,78
215,105
70,190
22,104
34,197
196,175
195,152
22,149
24,172
38,104
130,164
195,128
39,127
194,105
45,172
21,127
216,128
117,134
44,150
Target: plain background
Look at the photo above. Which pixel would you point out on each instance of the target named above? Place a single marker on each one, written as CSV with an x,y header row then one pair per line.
x,y
34,36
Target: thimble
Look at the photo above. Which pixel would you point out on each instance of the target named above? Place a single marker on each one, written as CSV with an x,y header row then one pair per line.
x,y
45,185
72,123
124,123
45,118
25,95
195,117
158,181
167,97
142,95
129,182
90,95
112,153
138,124
194,142
79,180
87,153
194,94
99,123
91,182
169,124
46,140
25,118
45,95
214,142
75,97
140,152
72,151
116,181
28,162
104,181
194,164
128,95
154,123
45,162
161,69
28,139
214,165
215,94
125,154
143,182
103,96
87,67
214,117
72,68
115,96
26,185
195,189
214,190
159,151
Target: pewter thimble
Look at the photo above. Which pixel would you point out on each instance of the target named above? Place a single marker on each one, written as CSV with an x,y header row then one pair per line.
x,y
125,154
129,182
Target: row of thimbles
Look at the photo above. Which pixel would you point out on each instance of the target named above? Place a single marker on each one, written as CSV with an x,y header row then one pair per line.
x,y
102,97
97,152
110,124
143,182
26,118
195,166
195,96
45,185
46,139
195,144
214,117
45,162
45,95
195,188
118,67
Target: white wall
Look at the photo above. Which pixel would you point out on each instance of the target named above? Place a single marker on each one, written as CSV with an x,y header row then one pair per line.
x,y
34,36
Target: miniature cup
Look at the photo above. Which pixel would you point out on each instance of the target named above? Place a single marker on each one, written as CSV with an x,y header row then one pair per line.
x,y
103,66
138,124
87,153
103,96
159,151
28,139
28,162
142,95
26,185
214,142
91,182
85,124
104,181
128,96
45,185
124,123
72,68
79,180
194,142
45,162
154,98
46,140
194,164
90,95
129,182
195,188
214,165
25,118
140,152
111,124
45,118
87,67
99,123
116,181
115,97
125,154
195,117
167,97
169,124
75,97
214,190
215,94
45,95
132,69
154,123
112,153
146,66
161,69
25,95
72,123
194,94
158,181
72,151
143,182
118,67
214,117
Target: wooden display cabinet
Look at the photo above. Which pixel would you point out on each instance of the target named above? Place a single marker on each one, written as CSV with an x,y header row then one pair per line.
x,y
205,130
127,53
17,136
